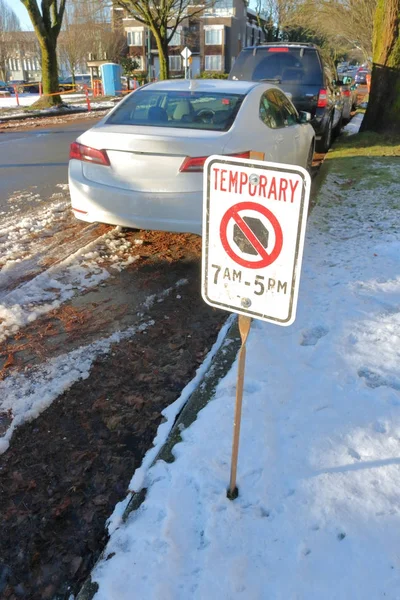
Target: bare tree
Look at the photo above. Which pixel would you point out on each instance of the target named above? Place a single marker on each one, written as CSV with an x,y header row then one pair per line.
x,y
343,23
9,22
162,18
47,22
383,109
87,31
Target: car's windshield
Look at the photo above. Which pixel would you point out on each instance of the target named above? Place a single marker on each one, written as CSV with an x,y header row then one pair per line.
x,y
183,109
281,64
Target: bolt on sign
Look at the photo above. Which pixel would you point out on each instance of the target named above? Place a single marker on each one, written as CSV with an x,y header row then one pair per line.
x,y
254,220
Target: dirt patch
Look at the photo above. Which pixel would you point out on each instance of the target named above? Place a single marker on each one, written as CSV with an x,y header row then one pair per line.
x,y
64,472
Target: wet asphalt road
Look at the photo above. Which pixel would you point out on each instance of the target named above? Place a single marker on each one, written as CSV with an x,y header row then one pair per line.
x,y
36,160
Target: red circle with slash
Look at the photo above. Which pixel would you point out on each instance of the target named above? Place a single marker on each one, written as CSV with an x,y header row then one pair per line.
x,y
234,213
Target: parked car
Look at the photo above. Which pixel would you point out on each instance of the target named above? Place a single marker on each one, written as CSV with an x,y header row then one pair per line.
x,y
361,76
5,87
349,96
141,165
24,86
300,70
66,84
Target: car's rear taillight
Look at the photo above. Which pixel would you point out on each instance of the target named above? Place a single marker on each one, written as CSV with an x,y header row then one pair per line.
x,y
278,49
86,154
346,93
196,164
322,98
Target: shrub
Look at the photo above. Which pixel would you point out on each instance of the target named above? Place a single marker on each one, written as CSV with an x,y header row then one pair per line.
x,y
212,75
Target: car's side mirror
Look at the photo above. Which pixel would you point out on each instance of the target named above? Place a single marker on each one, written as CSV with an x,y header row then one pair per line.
x,y
353,87
304,117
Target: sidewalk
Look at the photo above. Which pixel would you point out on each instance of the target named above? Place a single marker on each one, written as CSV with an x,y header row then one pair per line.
x,y
318,512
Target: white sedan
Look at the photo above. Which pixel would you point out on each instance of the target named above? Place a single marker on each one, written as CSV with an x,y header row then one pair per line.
x,y
141,166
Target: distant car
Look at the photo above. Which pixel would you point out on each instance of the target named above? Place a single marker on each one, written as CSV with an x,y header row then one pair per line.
x,y
349,96
24,86
361,76
300,70
67,83
141,165
5,87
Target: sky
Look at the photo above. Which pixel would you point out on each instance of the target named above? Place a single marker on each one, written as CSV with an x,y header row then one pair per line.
x,y
21,13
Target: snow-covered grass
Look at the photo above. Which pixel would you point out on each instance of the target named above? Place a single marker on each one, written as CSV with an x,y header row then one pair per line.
x,y
318,511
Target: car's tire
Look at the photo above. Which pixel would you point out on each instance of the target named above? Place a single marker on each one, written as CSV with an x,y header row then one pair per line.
x,y
325,142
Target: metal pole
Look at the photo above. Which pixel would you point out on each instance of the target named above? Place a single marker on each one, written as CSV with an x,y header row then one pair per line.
x,y
244,328
148,55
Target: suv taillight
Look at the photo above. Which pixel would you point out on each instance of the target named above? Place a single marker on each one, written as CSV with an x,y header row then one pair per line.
x,y
322,98
195,164
87,154
346,93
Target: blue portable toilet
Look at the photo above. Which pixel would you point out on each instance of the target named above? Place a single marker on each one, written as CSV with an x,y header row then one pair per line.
x,y
111,77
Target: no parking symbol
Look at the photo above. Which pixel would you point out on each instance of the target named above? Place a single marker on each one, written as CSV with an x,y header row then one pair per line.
x,y
250,235
254,219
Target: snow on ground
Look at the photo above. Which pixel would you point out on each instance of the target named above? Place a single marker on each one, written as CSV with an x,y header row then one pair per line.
x,y
82,270
318,512
74,101
353,126
24,396
25,242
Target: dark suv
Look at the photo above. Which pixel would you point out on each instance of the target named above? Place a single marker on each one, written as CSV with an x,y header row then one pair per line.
x,y
300,71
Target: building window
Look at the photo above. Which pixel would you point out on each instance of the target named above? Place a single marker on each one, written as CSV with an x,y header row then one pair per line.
x,y
213,63
135,38
213,37
175,63
139,60
176,38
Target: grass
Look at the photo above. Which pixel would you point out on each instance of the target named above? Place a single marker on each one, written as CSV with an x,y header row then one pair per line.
x,y
366,144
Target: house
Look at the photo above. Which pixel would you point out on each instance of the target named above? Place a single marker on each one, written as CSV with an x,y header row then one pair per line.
x,y
214,37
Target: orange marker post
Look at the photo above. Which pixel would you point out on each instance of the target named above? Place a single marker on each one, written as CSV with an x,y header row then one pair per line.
x,y
87,98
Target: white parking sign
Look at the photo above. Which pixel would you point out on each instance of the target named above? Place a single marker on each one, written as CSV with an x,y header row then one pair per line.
x,y
254,220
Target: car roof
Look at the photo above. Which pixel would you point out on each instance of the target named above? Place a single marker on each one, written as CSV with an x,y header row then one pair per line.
x,y
205,85
283,44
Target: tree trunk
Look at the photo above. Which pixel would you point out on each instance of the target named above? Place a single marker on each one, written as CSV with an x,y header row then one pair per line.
x,y
50,73
383,109
162,47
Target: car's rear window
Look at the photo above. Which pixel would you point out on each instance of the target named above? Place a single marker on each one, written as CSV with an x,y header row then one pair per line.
x,y
187,110
278,64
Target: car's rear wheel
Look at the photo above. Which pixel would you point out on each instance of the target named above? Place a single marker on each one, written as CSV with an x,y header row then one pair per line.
x,y
324,143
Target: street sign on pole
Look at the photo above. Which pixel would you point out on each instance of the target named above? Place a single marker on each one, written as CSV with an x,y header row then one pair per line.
x,y
186,53
254,219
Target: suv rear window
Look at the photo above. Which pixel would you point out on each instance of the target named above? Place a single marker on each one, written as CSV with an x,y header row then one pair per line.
x,y
278,64
186,110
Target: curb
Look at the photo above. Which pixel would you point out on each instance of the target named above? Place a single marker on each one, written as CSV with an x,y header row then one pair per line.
x,y
221,364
